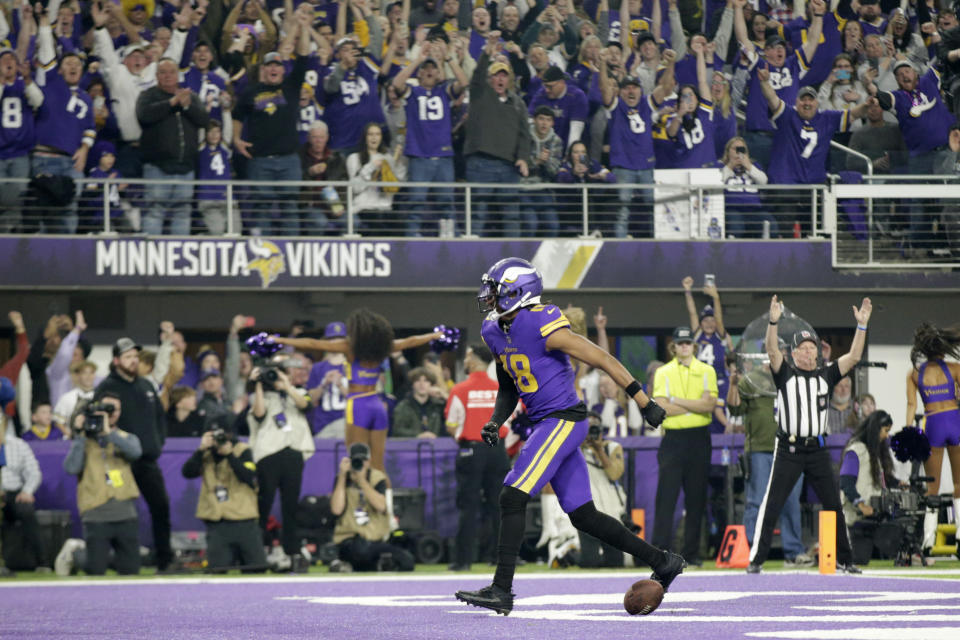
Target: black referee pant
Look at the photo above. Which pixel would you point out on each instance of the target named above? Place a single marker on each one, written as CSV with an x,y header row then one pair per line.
x,y
789,461
684,460
150,482
480,470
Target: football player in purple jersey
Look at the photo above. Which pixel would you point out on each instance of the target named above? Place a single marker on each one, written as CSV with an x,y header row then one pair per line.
x,y
533,344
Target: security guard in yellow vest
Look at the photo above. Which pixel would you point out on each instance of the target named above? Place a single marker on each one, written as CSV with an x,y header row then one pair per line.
x,y
686,388
228,501
359,503
101,454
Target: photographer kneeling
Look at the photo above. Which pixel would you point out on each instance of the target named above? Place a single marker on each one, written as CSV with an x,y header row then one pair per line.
x,y
865,471
359,503
605,468
101,454
228,501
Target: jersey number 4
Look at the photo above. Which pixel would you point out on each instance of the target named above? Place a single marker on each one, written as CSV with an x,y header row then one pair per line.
x,y
518,366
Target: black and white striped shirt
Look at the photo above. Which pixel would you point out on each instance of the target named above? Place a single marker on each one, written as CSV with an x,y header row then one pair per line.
x,y
803,398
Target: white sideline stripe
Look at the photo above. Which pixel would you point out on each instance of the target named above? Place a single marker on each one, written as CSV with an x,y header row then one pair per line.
x,y
887,607
904,573
885,633
596,615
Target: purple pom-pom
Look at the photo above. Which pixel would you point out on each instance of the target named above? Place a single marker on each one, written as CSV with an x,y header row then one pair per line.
x,y
262,345
910,444
448,341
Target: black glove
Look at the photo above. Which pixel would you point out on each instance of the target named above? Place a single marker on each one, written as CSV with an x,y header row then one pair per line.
x,y
490,433
653,414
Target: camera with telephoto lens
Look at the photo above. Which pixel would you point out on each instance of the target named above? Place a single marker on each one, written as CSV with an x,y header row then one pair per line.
x,y
893,504
220,438
93,422
898,520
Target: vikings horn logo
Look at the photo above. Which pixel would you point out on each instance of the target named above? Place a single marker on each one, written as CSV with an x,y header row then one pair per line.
x,y
269,261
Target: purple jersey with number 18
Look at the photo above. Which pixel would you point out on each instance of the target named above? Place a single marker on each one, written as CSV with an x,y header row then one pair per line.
x,y
544,378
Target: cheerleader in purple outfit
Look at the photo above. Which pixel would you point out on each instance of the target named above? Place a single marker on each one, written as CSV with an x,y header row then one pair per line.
x,y
936,381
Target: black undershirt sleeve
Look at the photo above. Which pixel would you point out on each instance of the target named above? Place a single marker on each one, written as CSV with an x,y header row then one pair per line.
x,y
507,397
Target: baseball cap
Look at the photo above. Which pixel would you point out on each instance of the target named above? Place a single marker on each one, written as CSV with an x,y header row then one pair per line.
x,y
209,373
130,49
552,74
773,41
497,67
804,336
432,61
335,330
682,334
706,311
807,91
5,50
123,345
629,80
359,450
901,63
643,36
272,58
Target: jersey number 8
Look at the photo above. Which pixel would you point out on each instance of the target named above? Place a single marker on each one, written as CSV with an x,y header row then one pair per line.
x,y
518,366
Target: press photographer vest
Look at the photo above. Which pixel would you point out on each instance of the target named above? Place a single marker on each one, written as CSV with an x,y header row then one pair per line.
x,y
241,502
101,464
865,486
377,526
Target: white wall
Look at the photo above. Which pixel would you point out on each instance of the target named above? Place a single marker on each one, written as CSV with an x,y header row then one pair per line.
x,y
888,386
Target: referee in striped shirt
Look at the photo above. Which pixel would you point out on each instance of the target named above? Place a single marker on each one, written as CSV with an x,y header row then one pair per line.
x,y
803,391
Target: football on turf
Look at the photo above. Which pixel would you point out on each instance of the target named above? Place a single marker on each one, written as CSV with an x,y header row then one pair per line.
x,y
643,597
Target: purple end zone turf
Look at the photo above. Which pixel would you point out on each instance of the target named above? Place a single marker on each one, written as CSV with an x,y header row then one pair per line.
x,y
554,606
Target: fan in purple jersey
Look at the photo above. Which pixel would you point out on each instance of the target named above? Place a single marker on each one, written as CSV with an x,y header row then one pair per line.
x,y
65,127
205,81
785,73
21,96
533,344
630,125
797,30
712,342
568,102
716,49
214,163
802,139
870,16
925,123
429,138
692,126
352,88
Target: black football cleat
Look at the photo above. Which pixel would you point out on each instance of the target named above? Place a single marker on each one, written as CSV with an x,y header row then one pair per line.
x,y
671,568
848,568
492,597
754,568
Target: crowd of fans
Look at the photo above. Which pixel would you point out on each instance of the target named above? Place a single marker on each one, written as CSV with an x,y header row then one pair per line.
x,y
508,91
282,407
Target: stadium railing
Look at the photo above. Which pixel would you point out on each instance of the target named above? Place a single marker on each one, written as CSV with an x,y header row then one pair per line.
x,y
872,220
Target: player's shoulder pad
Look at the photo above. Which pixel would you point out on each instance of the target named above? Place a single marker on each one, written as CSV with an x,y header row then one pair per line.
x,y
547,318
